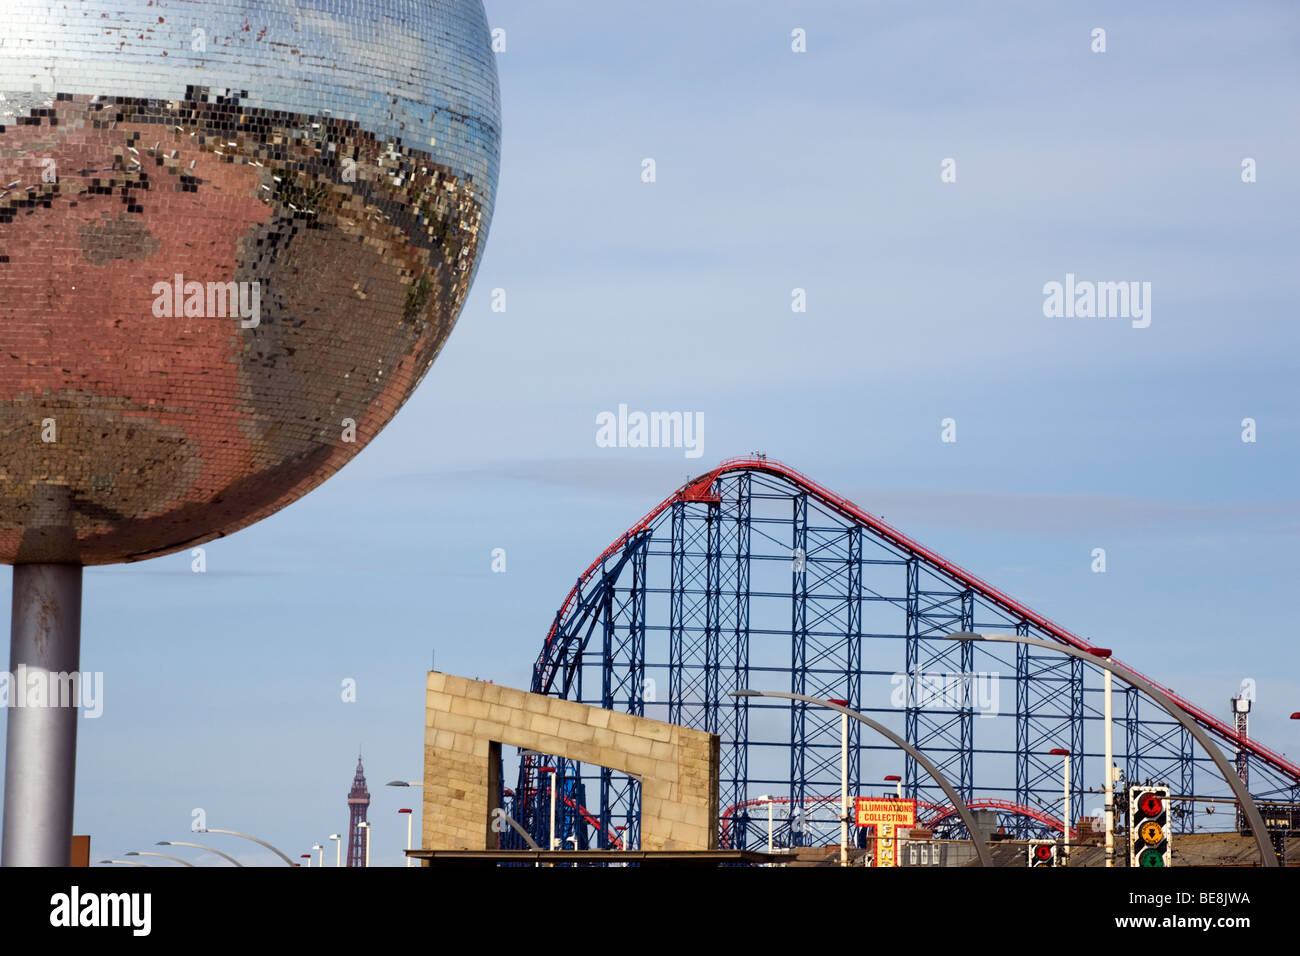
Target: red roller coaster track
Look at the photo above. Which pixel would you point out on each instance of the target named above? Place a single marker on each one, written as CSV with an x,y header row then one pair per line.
x,y
699,489
939,813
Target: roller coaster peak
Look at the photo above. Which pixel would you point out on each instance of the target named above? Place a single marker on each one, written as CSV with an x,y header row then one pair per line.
x,y
701,490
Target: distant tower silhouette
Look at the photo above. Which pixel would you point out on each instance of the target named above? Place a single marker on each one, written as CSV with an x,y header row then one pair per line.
x,y
358,803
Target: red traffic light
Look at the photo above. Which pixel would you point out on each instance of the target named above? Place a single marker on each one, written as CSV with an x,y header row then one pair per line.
x,y
1151,805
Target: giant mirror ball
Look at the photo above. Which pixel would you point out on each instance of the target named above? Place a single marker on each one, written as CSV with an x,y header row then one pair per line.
x,y
233,238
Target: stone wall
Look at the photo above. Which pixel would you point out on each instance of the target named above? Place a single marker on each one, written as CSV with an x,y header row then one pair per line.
x,y
464,718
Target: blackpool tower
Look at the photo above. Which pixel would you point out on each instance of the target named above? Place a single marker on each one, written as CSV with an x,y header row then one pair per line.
x,y
358,803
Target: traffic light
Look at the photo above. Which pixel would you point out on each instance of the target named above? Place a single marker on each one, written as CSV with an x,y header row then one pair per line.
x,y
1149,833
1042,853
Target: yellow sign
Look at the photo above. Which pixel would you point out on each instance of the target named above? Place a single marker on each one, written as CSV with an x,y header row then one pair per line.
x,y
871,811
883,816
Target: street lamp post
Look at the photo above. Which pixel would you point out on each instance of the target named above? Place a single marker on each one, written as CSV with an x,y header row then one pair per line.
x,y
1110,762
523,834
1267,856
768,799
307,857
320,857
364,826
175,859
897,781
200,846
409,817
545,770
976,836
1062,752
338,849
898,784
406,783
844,780
246,836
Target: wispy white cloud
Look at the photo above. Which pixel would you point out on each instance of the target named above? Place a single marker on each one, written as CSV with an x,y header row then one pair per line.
x,y
650,480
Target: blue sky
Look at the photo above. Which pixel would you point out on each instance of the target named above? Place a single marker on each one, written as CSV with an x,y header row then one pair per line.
x,y
774,171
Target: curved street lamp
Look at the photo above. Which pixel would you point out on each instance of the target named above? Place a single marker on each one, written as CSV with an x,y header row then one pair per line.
x,y
1248,809
976,837
199,846
163,855
515,825
122,862
248,837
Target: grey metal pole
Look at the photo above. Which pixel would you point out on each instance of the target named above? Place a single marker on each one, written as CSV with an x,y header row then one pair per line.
x,y
515,825
1256,822
260,842
41,740
1110,772
976,836
199,846
1066,848
174,859
844,789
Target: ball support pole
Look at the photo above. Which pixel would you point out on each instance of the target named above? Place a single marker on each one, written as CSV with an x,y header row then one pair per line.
x,y
41,741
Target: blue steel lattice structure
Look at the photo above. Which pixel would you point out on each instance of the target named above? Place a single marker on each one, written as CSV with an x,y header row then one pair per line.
x,y
752,575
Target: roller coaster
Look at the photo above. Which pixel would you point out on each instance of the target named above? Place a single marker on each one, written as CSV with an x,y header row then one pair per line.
x,y
754,576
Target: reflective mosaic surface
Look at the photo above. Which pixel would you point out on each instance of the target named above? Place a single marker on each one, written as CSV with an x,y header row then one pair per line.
x,y
233,239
